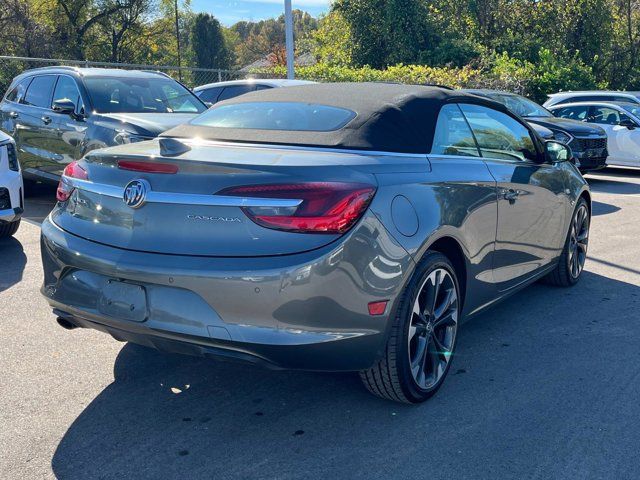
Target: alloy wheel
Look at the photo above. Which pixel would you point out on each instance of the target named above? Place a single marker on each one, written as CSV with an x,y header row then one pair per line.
x,y
433,328
578,241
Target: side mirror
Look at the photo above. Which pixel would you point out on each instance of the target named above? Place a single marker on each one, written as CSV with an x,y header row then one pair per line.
x,y
64,106
627,122
556,152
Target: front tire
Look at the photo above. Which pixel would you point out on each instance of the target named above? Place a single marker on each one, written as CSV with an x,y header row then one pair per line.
x,y
8,229
574,254
420,347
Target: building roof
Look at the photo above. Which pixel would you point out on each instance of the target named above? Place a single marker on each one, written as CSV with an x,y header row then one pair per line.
x,y
388,117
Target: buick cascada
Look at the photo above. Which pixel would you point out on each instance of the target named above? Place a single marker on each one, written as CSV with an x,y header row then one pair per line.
x,y
336,227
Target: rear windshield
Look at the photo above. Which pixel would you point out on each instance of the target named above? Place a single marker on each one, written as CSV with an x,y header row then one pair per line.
x,y
290,116
141,95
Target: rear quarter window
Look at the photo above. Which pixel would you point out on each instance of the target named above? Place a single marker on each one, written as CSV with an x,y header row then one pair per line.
x,y
40,91
288,116
209,95
17,93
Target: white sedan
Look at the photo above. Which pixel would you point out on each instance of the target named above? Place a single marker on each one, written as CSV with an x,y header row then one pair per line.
x,y
621,121
11,187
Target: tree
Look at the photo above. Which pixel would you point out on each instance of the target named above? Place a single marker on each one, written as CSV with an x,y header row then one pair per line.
x,y
81,16
208,43
386,32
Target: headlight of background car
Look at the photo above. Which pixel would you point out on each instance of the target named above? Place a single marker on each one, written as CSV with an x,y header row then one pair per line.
x,y
562,136
127,137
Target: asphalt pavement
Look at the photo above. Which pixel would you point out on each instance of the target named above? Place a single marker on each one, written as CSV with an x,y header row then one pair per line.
x,y
544,386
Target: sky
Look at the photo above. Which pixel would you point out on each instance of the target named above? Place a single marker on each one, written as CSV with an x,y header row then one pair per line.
x,y
232,11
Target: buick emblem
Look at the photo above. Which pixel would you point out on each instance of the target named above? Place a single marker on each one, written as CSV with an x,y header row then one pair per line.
x,y
135,193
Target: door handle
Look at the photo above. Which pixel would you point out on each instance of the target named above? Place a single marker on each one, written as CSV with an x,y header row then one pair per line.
x,y
46,120
13,115
511,195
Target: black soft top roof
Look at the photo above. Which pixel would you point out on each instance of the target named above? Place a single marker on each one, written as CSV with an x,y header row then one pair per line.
x,y
389,117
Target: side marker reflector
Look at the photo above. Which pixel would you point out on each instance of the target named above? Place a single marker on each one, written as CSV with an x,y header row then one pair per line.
x,y
378,308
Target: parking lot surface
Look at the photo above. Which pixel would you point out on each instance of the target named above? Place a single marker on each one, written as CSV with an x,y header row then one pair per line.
x,y
545,385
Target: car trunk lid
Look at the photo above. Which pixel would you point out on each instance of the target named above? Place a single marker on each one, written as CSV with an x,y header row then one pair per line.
x,y
184,212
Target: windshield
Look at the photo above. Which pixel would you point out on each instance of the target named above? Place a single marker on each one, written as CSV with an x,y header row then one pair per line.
x,y
632,109
291,116
141,95
520,105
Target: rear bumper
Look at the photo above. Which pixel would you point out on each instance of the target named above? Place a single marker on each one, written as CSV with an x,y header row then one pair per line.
x,y
304,311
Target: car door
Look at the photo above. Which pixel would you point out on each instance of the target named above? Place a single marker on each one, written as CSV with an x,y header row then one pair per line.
x,y
37,134
532,202
623,143
69,129
465,191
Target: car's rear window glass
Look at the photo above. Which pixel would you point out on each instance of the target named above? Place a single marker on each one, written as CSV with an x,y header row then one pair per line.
x,y
290,116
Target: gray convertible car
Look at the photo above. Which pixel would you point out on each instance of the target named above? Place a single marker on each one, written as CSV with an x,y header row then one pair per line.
x,y
338,227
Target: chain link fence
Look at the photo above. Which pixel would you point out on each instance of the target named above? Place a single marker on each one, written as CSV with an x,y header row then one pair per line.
x,y
190,76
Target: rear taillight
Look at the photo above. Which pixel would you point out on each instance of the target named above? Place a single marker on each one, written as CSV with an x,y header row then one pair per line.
x,y
326,207
65,188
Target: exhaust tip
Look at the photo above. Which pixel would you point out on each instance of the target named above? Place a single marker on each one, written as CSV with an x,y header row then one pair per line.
x,y
66,324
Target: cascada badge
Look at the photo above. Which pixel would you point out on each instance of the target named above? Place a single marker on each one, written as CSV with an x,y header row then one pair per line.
x,y
135,193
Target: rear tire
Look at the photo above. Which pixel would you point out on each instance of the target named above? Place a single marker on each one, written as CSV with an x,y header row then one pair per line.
x,y
8,229
422,340
571,262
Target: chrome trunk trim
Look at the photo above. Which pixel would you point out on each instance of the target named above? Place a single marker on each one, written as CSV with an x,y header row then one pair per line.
x,y
184,198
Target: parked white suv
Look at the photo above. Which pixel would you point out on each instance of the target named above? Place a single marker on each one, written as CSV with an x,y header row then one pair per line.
x,y
592,96
11,187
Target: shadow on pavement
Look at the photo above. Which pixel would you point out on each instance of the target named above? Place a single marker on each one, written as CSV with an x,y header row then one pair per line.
x,y
529,390
13,261
613,182
40,198
600,208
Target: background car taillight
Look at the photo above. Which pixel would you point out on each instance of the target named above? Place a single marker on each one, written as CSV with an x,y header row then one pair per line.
x,y
327,207
65,188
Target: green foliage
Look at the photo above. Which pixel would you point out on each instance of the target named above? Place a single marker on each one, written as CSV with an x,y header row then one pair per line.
x,y
331,42
208,43
528,46
414,74
386,32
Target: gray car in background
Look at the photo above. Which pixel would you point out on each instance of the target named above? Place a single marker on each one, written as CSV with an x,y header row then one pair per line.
x,y
58,114
337,227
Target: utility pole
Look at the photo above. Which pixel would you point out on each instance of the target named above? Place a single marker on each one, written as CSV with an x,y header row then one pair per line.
x,y
178,40
288,31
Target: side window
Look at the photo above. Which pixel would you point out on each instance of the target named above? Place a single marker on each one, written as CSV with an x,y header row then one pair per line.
x,y
235,91
66,89
18,91
39,91
209,95
574,113
263,87
178,100
498,134
607,116
453,135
